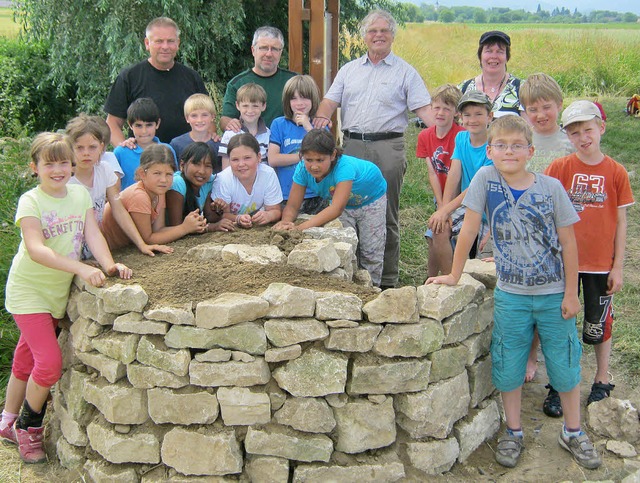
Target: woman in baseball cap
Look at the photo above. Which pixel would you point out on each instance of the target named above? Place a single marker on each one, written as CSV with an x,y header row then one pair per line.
x,y
494,51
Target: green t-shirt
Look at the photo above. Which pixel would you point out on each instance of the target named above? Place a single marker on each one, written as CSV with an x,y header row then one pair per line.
x,y
31,287
272,85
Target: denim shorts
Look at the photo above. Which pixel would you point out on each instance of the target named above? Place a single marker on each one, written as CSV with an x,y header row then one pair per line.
x,y
515,317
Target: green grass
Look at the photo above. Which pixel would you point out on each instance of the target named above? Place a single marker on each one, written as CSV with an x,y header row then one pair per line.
x,y
619,142
8,28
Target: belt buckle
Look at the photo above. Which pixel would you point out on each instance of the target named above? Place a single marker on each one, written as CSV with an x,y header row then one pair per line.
x,y
368,136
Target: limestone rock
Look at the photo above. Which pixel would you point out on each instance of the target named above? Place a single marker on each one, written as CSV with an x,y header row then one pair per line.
x,y
82,330
273,440
69,456
310,415
120,299
484,272
243,407
410,340
614,418
485,314
103,472
433,412
480,383
288,301
433,457
73,431
92,307
223,454
461,325
447,362
477,427
370,469
315,255
440,301
267,469
396,305
182,315
214,355
111,369
336,400
240,356
371,375
281,354
76,405
285,332
183,407
338,305
152,351
119,346
356,339
230,309
346,235
261,254
342,324
243,374
276,395
135,323
621,449
146,377
247,337
346,252
206,251
362,277
363,425
119,403
314,373
139,446
478,345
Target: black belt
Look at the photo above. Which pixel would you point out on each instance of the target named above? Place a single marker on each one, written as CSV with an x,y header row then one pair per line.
x,y
372,136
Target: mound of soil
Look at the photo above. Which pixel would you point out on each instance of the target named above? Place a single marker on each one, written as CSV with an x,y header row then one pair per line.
x,y
177,278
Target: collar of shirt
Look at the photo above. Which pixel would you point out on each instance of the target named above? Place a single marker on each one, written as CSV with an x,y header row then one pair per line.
x,y
389,59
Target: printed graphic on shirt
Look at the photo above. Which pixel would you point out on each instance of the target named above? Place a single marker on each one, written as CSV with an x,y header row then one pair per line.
x,y
240,209
522,234
53,226
587,190
436,160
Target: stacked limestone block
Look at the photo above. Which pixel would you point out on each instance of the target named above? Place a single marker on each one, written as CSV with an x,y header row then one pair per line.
x,y
292,384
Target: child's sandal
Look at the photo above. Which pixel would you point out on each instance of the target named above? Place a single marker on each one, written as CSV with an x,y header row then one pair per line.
x,y
552,405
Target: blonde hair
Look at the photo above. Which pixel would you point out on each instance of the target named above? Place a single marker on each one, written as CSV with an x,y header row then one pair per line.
x,y
512,124
251,93
448,94
83,124
49,146
538,87
197,102
306,87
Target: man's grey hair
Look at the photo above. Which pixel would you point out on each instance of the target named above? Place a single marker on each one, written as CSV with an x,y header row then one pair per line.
x,y
161,22
376,15
268,33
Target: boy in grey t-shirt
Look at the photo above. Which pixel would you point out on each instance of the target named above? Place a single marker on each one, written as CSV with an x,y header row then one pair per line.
x,y
530,218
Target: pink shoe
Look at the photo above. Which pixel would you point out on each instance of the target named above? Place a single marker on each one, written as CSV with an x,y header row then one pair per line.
x,y
31,444
8,435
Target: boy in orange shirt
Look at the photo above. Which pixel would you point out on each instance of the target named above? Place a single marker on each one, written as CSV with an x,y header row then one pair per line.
x,y
600,191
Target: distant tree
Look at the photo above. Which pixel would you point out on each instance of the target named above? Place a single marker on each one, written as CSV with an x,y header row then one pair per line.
x,y
539,9
446,16
629,17
413,12
480,16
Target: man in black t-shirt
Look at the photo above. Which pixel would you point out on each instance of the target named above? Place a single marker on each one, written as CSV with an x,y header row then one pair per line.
x,y
159,77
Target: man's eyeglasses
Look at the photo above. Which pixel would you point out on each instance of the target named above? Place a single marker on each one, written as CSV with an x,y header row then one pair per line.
x,y
265,48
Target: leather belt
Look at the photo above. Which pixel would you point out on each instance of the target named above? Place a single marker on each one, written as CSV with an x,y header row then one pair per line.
x,y
372,136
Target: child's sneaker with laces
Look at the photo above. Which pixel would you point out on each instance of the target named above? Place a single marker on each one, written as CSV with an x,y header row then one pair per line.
x,y
582,450
31,444
8,435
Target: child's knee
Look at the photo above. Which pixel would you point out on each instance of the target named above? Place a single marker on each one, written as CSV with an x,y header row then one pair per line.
x,y
49,372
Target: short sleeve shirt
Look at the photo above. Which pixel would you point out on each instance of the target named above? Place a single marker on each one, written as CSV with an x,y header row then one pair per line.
x,y
507,102
438,151
368,183
596,191
265,191
548,148
375,97
180,143
471,157
180,186
526,246
262,136
103,177
32,287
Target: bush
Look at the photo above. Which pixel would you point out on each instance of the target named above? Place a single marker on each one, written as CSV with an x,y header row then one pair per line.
x,y
29,101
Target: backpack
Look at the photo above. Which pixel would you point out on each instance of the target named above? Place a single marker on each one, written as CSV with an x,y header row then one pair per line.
x,y
633,106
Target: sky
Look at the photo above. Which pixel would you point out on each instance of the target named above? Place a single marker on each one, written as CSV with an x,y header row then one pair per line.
x,y
583,6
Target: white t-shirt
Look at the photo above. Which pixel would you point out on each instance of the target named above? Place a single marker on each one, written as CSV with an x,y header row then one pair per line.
x,y
110,160
103,177
265,191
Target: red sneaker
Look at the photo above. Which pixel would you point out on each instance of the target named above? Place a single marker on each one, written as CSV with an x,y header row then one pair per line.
x,y
31,444
8,435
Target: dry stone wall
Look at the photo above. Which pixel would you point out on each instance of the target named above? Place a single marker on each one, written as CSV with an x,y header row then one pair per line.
x,y
292,385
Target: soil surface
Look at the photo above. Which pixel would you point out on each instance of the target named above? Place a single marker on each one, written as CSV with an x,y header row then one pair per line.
x,y
177,278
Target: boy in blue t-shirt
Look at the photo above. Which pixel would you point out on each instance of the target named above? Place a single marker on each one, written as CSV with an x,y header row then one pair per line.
x,y
469,155
536,254
143,117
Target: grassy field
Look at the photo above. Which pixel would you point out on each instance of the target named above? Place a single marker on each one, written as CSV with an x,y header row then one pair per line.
x,y
8,28
584,59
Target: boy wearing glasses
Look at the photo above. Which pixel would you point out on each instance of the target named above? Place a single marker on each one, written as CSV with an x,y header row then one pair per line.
x,y
469,155
531,220
267,46
600,191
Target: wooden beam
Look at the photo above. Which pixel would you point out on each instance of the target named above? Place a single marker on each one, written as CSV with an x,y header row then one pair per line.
x,y
316,42
295,35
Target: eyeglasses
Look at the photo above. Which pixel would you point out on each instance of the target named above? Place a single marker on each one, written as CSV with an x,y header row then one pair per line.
x,y
515,148
378,31
265,48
